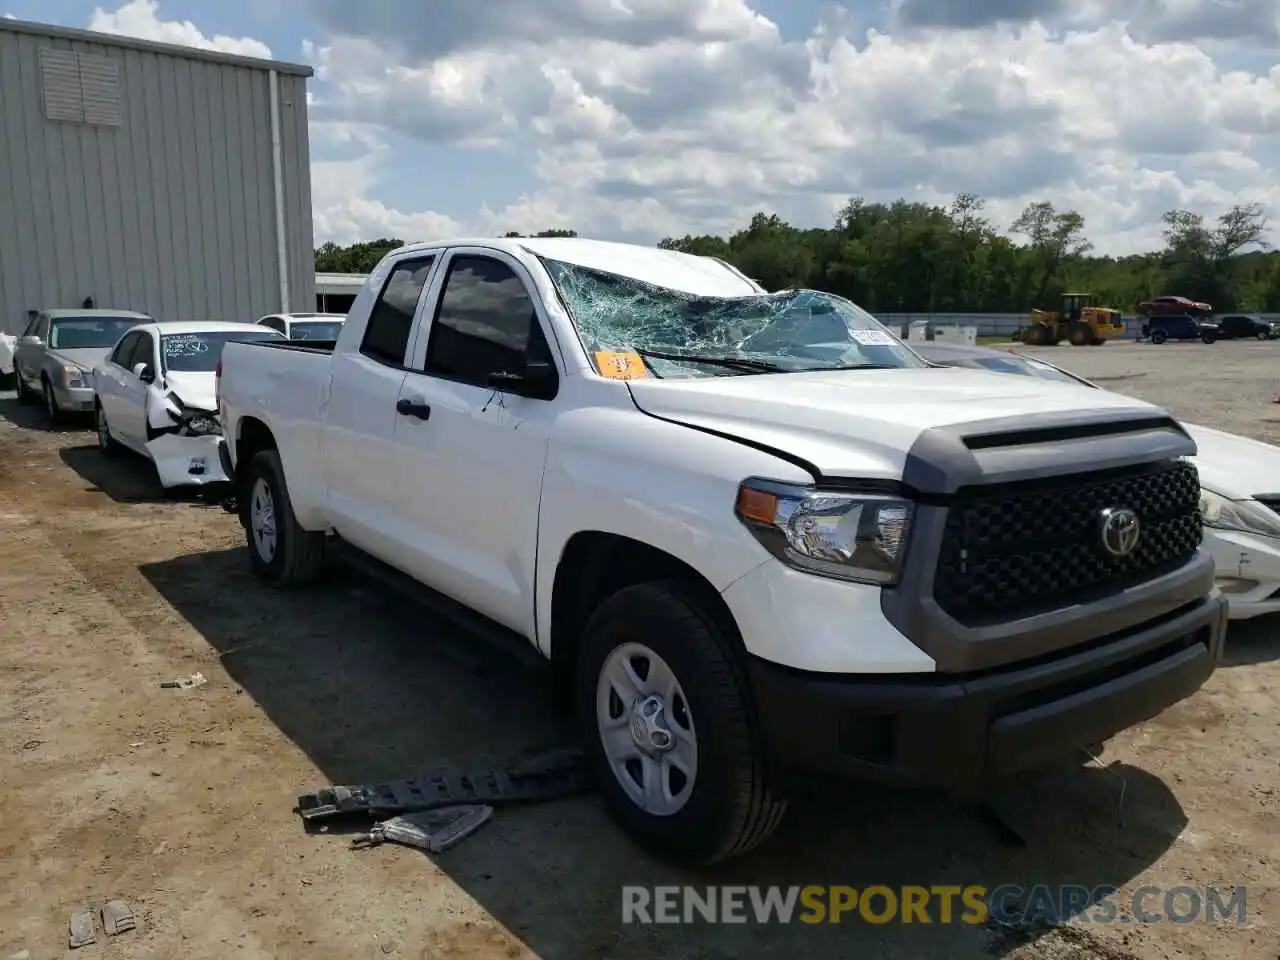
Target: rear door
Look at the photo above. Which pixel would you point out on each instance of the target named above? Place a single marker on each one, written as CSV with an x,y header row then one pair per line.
x,y
358,416
471,456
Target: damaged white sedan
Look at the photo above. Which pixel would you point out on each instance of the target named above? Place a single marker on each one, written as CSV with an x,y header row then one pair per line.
x,y
155,395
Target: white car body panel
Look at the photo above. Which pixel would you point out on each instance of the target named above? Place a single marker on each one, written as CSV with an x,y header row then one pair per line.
x,y
1241,468
812,415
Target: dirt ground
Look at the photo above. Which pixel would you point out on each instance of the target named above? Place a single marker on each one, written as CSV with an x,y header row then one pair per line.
x,y
180,801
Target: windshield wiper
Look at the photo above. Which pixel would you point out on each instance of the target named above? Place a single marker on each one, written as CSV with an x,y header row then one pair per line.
x,y
733,363
857,366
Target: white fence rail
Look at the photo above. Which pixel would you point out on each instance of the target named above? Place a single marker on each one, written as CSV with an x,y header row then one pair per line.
x,y
992,324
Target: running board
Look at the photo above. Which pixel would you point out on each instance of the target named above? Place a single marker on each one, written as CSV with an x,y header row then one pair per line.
x,y
493,634
553,776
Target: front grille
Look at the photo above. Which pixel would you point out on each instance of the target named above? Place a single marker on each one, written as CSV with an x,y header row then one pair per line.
x,y
1021,549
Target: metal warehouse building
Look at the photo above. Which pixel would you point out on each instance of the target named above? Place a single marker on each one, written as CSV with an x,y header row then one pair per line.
x,y
150,177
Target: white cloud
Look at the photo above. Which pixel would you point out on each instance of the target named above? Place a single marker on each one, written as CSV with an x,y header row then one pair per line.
x,y
140,18
689,115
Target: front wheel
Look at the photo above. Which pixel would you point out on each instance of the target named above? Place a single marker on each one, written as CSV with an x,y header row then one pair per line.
x,y
1159,336
20,387
51,406
671,734
281,552
1264,334
1208,336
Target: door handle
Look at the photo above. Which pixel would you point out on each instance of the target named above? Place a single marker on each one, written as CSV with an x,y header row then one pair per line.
x,y
413,408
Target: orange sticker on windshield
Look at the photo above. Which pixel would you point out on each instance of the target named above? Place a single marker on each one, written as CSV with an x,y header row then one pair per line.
x,y
624,365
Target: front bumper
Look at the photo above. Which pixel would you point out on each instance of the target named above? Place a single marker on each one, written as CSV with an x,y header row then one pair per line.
x,y
1247,570
960,731
187,461
75,399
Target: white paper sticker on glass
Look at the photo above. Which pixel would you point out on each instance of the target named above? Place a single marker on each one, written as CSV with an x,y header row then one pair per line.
x,y
872,338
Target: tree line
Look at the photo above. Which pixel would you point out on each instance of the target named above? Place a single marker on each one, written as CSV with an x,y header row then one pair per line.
x,y
923,258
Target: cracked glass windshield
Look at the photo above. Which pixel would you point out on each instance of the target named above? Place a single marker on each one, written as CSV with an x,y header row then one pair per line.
x,y
684,335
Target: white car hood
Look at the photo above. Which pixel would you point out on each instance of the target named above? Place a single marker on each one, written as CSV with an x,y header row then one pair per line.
x,y
861,423
1233,466
194,389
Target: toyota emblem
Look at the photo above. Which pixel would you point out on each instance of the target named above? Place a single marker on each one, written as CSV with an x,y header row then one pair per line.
x,y
1119,531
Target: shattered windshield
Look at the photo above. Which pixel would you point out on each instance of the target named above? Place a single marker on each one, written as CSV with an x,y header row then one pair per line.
x,y
680,334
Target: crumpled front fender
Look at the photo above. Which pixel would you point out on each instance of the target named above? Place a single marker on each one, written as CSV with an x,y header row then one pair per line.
x,y
187,461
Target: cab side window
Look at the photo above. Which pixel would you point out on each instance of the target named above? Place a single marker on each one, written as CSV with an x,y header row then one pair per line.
x,y
485,323
120,355
386,338
143,352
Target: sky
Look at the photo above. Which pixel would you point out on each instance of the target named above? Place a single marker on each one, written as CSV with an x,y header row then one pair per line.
x,y
639,119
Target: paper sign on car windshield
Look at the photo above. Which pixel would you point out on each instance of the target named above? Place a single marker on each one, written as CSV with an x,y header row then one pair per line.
x,y
623,365
872,338
184,345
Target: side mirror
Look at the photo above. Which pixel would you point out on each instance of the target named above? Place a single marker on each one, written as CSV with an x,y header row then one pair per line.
x,y
537,381
31,341
144,372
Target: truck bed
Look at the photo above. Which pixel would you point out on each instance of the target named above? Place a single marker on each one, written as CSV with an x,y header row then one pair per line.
x,y
304,346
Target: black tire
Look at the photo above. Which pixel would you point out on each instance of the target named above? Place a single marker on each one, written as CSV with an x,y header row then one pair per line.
x,y
734,804
1264,334
55,413
107,444
24,392
1080,334
1208,336
1159,335
299,555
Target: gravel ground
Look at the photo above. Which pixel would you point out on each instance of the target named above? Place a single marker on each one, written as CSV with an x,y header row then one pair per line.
x,y
179,801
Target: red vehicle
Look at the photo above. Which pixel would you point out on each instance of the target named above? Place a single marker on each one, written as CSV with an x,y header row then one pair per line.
x,y
1165,306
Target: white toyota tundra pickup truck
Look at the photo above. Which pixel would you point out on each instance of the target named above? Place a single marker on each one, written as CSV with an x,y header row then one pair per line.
x,y
750,532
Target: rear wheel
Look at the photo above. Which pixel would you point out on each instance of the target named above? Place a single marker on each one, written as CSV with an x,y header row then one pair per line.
x,y
672,737
281,552
106,443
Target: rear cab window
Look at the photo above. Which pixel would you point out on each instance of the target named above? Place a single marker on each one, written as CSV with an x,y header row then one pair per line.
x,y
386,336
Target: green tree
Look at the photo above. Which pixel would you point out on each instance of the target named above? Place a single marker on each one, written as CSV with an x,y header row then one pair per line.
x,y
916,257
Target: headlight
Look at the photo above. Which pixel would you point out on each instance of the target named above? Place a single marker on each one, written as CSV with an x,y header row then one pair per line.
x,y
1245,516
203,425
75,377
850,536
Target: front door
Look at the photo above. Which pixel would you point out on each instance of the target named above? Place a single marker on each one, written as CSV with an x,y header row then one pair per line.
x,y
358,417
130,419
472,456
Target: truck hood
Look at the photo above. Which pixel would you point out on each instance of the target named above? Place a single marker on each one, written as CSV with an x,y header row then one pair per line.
x,y
1233,466
194,389
863,423
86,358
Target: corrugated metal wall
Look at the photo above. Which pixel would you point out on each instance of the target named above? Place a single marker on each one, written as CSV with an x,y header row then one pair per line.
x,y
172,210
